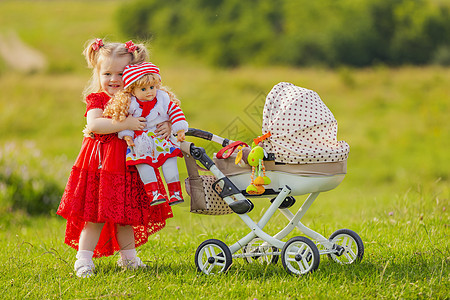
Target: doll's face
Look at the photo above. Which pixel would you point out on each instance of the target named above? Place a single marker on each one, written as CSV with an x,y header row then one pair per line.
x,y
110,72
145,93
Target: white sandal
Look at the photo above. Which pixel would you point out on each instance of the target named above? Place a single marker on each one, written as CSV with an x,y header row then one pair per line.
x,y
84,268
131,264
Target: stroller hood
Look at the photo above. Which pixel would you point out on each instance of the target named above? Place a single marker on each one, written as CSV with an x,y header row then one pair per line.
x,y
303,129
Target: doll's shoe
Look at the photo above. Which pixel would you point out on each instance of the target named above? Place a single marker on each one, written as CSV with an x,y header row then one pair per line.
x,y
84,268
175,199
157,199
131,264
175,193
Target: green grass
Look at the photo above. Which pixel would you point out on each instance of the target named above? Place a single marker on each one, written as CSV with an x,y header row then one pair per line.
x,y
406,257
395,195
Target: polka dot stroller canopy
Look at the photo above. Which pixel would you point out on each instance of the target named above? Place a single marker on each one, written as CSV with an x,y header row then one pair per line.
x,y
303,129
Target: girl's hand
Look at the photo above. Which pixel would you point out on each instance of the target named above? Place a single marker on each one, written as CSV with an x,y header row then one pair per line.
x,y
181,136
163,129
132,123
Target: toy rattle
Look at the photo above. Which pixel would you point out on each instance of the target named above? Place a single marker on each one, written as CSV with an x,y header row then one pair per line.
x,y
255,160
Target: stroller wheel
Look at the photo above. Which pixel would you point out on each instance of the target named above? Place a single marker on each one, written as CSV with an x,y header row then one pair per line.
x,y
352,244
300,256
259,253
213,257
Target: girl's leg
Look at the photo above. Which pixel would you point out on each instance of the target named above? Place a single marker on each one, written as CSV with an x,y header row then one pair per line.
x,y
128,258
89,236
125,237
148,177
172,177
84,266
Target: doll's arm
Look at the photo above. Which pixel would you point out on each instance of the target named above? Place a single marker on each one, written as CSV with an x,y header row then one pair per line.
x,y
132,111
181,136
98,124
129,140
124,133
176,116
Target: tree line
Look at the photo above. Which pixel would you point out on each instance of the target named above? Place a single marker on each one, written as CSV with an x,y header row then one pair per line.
x,y
295,32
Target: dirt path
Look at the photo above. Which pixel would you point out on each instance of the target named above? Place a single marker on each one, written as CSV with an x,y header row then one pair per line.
x,y
19,56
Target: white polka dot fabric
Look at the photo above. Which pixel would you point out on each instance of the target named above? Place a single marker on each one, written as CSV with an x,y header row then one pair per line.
x,y
303,129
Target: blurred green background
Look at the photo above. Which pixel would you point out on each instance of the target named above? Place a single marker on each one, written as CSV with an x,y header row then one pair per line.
x,y
380,66
296,33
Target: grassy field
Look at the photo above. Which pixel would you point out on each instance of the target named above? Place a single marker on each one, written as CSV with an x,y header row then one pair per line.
x,y
395,195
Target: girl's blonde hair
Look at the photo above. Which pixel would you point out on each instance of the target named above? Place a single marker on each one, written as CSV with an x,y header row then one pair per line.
x,y
96,53
117,107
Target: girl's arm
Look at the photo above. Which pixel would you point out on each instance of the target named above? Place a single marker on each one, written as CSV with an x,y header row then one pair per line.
x,y
100,125
164,129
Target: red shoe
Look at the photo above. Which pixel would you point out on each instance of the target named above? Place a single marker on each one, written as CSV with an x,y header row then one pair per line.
x,y
157,199
175,193
175,199
154,194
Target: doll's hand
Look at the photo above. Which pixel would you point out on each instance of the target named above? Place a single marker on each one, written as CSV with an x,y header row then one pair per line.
x,y
181,136
163,129
129,140
133,123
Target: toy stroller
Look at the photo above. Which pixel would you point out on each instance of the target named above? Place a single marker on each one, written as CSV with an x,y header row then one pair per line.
x,y
300,155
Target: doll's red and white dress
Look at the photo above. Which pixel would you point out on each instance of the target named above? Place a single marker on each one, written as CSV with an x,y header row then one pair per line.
x,y
149,148
102,189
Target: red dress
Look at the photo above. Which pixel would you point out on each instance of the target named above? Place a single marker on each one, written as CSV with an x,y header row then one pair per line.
x,y
102,189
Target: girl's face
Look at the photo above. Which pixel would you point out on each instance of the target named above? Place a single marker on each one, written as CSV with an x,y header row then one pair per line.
x,y
145,93
110,72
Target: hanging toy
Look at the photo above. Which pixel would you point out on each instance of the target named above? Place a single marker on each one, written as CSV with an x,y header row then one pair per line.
x,y
241,156
255,160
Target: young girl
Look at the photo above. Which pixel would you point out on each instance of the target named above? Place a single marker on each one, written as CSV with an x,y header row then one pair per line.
x,y
104,202
143,96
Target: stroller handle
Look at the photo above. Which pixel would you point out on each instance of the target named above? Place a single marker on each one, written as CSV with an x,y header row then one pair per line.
x,y
208,136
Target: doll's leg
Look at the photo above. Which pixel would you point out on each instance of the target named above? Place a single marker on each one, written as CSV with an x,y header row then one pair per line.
x,y
147,173
170,170
172,177
148,177
84,266
128,258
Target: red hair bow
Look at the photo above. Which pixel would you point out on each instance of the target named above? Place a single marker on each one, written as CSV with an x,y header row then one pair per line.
x,y
130,46
97,44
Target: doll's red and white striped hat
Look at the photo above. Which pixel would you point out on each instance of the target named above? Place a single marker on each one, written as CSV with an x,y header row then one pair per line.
x,y
132,73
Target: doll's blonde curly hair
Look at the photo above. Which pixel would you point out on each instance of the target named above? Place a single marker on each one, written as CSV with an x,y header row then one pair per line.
x,y
117,107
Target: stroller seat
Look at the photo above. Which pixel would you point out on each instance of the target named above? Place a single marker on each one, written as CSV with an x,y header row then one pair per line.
x,y
301,178
229,168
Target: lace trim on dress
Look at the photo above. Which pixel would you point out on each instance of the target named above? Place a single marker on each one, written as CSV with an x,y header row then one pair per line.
x,y
89,198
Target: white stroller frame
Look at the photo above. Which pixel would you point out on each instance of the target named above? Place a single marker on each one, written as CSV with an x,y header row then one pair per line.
x,y
299,255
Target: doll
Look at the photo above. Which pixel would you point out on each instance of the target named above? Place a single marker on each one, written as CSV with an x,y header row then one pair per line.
x,y
143,96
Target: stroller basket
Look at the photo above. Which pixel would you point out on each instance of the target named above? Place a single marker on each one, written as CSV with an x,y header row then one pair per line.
x,y
199,187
